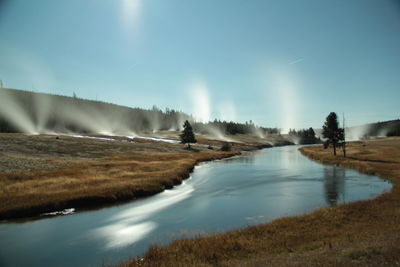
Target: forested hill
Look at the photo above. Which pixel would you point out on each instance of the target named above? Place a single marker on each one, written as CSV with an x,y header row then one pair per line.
x,y
31,112
22,111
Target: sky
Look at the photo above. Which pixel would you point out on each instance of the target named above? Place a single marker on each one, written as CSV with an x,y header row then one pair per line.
x,y
285,63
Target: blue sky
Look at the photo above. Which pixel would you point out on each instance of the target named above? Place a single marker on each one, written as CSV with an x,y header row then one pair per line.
x,y
284,63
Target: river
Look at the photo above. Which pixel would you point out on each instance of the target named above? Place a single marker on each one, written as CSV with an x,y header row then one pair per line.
x,y
219,196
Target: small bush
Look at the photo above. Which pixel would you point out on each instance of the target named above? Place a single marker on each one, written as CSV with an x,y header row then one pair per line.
x,y
226,147
326,144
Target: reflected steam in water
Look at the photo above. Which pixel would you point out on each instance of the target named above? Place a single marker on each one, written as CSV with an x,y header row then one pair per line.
x,y
132,224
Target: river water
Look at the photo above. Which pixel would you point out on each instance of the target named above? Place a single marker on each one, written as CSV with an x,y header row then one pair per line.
x,y
223,195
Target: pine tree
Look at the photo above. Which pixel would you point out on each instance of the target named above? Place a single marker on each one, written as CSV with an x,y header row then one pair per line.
x,y
311,133
332,132
187,135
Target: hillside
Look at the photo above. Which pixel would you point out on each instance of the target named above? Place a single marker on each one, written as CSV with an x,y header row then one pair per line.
x,y
378,129
22,111
30,112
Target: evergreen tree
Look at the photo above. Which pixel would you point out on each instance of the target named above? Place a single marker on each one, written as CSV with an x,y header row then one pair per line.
x,y
332,132
311,132
187,135
304,136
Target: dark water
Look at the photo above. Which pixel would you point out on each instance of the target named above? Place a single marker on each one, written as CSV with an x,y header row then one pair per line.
x,y
220,196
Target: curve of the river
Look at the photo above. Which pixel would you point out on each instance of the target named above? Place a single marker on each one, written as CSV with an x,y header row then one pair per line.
x,y
251,189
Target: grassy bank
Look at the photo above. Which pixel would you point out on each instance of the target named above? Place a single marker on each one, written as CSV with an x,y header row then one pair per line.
x,y
45,173
361,233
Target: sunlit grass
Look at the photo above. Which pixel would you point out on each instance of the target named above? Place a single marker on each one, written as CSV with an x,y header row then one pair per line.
x,y
102,173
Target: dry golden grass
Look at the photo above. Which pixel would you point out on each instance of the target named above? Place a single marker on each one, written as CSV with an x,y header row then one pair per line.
x,y
365,233
42,174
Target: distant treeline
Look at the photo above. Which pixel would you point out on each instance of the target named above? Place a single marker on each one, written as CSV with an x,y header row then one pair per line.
x,y
232,128
304,136
23,111
386,128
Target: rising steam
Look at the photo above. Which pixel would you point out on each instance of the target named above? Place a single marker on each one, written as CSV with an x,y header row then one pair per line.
x,y
286,96
200,102
36,113
17,114
283,90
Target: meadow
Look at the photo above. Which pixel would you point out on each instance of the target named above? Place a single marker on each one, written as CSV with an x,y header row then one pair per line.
x,y
47,173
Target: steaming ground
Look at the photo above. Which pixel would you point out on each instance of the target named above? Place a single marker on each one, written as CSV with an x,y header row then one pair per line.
x,y
47,173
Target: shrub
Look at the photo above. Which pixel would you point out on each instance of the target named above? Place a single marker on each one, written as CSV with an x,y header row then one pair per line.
x,y
226,147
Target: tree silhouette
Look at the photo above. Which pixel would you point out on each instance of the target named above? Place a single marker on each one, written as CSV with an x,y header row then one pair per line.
x,y
311,132
187,135
304,136
332,132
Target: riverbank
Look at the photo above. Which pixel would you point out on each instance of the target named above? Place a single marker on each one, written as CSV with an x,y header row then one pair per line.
x,y
49,173
361,233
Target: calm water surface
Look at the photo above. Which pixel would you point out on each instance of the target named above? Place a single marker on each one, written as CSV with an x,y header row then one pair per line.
x,y
219,196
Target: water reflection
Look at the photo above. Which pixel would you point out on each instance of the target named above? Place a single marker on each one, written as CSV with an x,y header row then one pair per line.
x,y
245,157
289,158
133,224
334,183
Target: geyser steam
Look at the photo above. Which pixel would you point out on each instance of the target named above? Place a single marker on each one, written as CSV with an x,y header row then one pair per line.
x,y
287,95
201,102
17,115
36,113
202,109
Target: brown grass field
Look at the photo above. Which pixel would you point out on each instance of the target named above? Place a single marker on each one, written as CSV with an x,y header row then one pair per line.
x,y
45,173
364,233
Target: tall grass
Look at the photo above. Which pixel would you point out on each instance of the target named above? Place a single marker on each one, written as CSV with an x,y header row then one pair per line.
x,y
110,173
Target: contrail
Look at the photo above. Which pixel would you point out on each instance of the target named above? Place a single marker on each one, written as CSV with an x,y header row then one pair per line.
x,y
296,61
